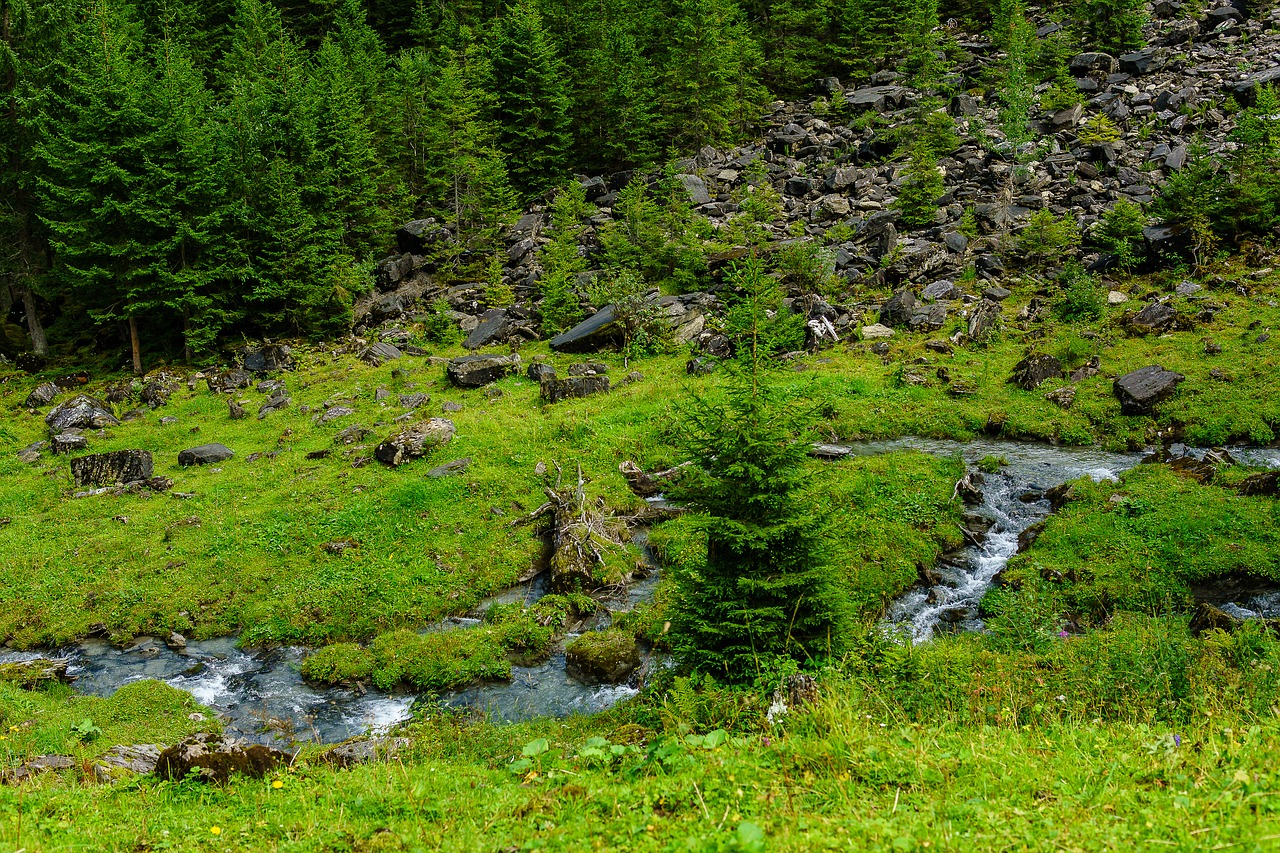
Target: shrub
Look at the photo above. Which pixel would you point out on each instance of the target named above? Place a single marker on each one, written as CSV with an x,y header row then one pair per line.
x,y
921,189
1048,237
1119,233
438,327
1081,297
1099,130
1113,26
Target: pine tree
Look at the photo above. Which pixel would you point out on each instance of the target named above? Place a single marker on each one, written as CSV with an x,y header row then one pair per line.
x,y
617,111
768,587
532,100
94,150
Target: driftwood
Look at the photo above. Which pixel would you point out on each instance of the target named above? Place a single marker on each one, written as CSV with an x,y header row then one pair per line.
x,y
647,485
581,534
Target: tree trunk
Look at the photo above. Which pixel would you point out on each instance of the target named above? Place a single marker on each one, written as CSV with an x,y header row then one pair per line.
x,y
137,346
39,344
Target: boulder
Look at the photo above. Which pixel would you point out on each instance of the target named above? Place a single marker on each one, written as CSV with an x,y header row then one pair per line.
x,y
1085,64
540,372
214,758
1141,390
875,98
379,353
416,441
364,751
268,359
29,674
602,657
392,271
898,310
555,390
1266,483
205,454
695,188
120,466
457,466
229,380
35,767
415,237
351,435
1063,397
43,395
476,371
1034,370
591,334
876,331
82,412
68,442
1156,318
983,320
494,328
123,762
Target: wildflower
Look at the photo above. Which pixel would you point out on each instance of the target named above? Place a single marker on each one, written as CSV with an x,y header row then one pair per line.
x,y
1177,740
216,830
1063,634
1061,698
277,784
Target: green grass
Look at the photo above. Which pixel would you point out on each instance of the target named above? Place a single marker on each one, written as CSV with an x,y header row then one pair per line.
x,y
1139,545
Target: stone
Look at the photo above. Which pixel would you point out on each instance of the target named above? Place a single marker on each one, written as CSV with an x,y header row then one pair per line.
x,y
1115,297
120,466
598,330
30,674
457,466
944,291
875,98
417,236
876,331
494,328
81,412
123,762
67,442
1140,62
1141,390
205,454
1265,484
588,368
379,353
602,657
333,413
555,390
364,751
276,402
268,359
35,767
928,318
540,372
214,758
695,188
43,395
413,401
351,435
476,371
1082,65
996,293
229,380
416,441
1034,370
1156,318
983,320
391,271
1062,397
898,310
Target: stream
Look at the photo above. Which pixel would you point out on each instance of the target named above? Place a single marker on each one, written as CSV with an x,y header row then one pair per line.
x,y
262,697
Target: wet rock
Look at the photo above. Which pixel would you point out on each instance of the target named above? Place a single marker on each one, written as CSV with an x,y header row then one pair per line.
x,y
43,395
603,657
1063,397
364,751
81,412
378,354
123,762
1141,390
555,390
1209,617
1028,537
205,454
30,674
269,358
415,441
120,466
1034,370
1156,318
215,758
476,371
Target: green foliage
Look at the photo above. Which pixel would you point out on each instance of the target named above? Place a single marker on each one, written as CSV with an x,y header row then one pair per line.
x,y
809,267
635,310
440,660
768,587
1099,130
1112,26
1047,237
438,326
1119,233
1081,297
1015,34
922,186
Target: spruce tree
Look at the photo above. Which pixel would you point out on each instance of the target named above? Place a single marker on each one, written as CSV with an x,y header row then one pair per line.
x,y
532,102
768,587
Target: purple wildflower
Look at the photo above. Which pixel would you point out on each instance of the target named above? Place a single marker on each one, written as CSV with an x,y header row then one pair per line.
x,y
1177,740
1063,634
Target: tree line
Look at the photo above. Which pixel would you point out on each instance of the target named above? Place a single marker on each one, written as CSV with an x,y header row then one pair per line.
x,y
174,172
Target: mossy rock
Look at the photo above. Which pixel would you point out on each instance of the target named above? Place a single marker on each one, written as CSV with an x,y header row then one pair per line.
x,y
605,657
29,674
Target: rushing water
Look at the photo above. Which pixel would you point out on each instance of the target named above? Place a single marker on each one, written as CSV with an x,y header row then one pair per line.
x,y
261,694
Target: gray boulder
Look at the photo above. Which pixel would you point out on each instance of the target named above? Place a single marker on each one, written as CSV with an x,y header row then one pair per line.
x,y
494,328
898,310
1141,390
205,454
983,320
602,657
592,333
1156,318
123,762
540,371
82,412
1034,370
476,371
121,466
416,441
695,188
229,380
379,353
68,442
417,236
268,359
43,395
